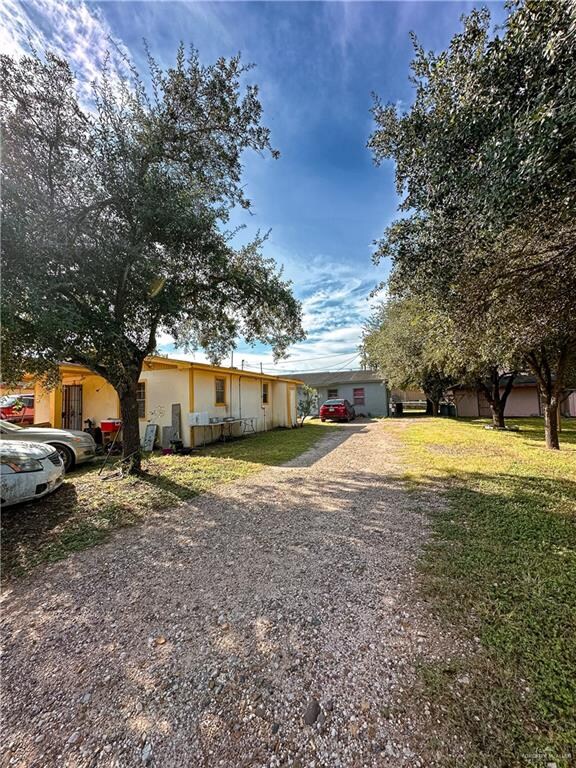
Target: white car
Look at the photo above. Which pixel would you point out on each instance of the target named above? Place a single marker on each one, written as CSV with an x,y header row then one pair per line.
x,y
28,471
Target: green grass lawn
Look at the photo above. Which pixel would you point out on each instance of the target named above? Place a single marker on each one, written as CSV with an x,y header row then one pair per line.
x,y
86,509
502,568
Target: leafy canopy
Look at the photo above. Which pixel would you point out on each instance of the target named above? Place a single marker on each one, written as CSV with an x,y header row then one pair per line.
x,y
405,341
486,162
114,218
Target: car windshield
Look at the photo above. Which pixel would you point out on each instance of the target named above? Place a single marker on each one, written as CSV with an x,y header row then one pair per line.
x,y
9,427
334,402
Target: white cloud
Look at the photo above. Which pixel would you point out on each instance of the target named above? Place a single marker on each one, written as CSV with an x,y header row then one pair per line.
x,y
335,305
333,294
72,30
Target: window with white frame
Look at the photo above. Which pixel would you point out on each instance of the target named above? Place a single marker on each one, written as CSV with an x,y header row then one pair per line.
x,y
265,393
332,393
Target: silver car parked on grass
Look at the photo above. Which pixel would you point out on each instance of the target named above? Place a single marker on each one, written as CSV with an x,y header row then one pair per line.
x,y
74,446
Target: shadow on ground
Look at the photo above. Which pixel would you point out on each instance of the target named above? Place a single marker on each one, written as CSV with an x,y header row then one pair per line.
x,y
87,508
256,597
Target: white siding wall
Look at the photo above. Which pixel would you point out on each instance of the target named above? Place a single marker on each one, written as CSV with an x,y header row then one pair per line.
x,y
173,386
243,400
163,389
375,397
41,405
522,402
466,402
99,399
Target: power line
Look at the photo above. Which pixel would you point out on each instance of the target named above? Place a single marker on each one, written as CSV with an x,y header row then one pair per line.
x,y
257,367
317,357
349,361
266,369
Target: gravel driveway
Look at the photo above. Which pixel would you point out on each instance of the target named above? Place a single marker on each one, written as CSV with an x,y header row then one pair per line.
x,y
270,622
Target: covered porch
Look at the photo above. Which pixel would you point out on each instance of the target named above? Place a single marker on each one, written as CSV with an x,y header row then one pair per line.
x,y
81,395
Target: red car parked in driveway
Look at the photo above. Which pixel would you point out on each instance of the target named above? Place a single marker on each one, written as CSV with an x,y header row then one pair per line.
x,y
18,409
337,410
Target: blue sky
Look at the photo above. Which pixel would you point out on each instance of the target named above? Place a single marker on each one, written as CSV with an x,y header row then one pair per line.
x,y
317,65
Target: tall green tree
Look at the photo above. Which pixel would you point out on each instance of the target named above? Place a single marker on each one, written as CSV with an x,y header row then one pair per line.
x,y
114,221
474,356
403,340
486,163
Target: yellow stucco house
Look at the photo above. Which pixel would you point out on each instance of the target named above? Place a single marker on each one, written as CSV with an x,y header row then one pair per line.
x,y
254,401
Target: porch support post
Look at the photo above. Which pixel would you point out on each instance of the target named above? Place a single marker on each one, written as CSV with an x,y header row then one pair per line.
x,y
191,404
56,407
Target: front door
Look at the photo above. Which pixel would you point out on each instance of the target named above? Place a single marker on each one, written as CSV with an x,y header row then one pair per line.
x,y
72,406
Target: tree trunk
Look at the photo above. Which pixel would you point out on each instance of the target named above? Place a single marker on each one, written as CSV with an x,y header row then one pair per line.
x,y
496,399
551,424
497,408
124,377
130,426
550,388
127,390
432,404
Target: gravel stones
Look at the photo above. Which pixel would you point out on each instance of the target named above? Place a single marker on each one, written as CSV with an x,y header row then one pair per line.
x,y
297,652
312,712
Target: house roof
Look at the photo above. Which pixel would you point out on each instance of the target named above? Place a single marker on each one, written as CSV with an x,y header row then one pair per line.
x,y
326,378
520,380
159,362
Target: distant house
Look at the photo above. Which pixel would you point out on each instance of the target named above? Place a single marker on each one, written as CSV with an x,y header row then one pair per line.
x,y
523,400
366,390
245,401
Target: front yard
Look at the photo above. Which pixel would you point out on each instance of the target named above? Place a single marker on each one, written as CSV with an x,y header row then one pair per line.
x,y
87,508
501,568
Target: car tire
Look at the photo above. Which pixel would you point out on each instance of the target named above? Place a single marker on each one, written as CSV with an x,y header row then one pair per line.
x,y
67,455
322,420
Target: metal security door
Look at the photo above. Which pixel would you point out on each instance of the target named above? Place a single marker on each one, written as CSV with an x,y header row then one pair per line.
x,y
72,406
